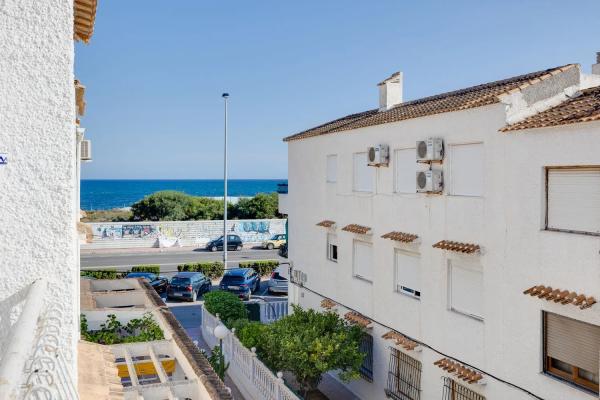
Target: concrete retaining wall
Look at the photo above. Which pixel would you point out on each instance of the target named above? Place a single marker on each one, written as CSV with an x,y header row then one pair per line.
x,y
190,233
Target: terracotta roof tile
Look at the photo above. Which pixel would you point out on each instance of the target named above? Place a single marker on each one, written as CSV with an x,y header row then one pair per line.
x,y
356,318
401,340
467,248
583,108
475,96
328,304
84,18
355,228
326,223
400,236
561,296
460,371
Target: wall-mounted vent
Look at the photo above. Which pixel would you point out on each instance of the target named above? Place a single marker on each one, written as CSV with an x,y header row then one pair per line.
x,y
86,150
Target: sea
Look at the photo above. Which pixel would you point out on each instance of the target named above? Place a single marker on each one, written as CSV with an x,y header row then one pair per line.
x,y
106,194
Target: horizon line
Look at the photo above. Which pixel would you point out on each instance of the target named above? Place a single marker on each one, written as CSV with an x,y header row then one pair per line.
x,y
183,179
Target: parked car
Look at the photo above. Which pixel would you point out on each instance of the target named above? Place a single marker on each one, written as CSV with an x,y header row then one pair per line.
x,y
278,283
283,250
275,242
234,242
241,281
159,283
188,286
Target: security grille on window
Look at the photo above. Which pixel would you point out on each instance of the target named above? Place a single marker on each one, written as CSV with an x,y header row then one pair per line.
x,y
456,391
364,175
408,274
366,347
404,377
332,168
571,350
332,247
572,199
363,260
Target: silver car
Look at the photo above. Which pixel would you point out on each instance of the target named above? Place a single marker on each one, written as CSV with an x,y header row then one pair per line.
x,y
278,283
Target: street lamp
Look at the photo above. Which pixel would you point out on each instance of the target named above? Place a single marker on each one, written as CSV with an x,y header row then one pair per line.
x,y
221,333
225,97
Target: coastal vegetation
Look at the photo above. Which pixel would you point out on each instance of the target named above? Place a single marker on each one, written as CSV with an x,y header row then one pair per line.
x,y
113,331
170,205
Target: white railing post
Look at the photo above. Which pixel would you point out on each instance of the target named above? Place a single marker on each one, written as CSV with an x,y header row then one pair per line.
x,y
280,383
253,363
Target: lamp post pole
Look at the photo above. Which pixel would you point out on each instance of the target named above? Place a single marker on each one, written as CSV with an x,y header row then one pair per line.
x,y
225,97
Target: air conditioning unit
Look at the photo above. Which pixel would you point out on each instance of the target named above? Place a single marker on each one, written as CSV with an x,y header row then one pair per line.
x,y
430,181
431,149
379,155
299,276
86,150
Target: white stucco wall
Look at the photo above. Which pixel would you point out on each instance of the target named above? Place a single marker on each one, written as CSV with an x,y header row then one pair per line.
x,y
507,221
38,185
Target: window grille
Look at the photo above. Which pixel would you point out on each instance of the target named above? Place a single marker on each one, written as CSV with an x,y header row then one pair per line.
x,y
404,377
456,391
366,346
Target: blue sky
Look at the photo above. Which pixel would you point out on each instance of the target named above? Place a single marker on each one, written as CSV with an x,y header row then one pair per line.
x,y
155,70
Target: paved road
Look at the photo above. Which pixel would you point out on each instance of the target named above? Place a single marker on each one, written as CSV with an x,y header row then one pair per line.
x,y
169,260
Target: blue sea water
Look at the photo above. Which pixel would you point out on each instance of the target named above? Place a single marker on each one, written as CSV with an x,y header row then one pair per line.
x,y
105,194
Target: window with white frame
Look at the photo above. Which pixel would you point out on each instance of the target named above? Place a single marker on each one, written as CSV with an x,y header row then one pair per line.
x,y
573,199
405,167
332,247
332,168
362,253
465,288
407,273
466,169
364,175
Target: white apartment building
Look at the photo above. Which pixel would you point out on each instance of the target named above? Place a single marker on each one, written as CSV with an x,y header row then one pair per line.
x,y
467,242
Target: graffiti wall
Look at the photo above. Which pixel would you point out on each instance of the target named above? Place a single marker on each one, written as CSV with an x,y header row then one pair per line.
x,y
188,233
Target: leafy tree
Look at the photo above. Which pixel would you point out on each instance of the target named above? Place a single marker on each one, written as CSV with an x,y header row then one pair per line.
x,y
227,305
308,343
204,208
250,333
263,205
166,205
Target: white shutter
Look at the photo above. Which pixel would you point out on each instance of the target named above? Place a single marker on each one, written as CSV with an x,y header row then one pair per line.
x,y
363,259
408,272
363,174
466,169
574,199
405,167
332,168
466,289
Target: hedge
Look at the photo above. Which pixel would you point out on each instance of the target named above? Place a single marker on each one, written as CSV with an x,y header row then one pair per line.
x,y
229,307
212,269
110,273
262,267
153,268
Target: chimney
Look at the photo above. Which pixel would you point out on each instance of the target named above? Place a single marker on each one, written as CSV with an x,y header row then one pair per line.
x,y
390,91
596,67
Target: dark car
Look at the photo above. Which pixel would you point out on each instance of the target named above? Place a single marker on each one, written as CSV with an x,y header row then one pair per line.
x,y
283,250
240,281
234,242
159,283
188,286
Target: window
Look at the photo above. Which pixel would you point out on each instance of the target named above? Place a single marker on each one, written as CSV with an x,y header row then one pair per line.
x,y
366,347
363,174
571,350
332,168
408,273
466,169
363,259
456,391
465,291
332,247
405,169
404,377
573,199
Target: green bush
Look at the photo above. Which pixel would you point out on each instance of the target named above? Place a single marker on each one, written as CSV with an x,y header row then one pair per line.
x,y
250,333
110,273
262,267
229,307
153,268
113,331
212,269
263,205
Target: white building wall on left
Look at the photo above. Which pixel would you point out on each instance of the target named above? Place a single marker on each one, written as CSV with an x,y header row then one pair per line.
x,y
38,193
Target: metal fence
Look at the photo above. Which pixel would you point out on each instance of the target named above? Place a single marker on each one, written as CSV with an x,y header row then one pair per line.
x,y
456,391
404,377
249,374
273,311
366,347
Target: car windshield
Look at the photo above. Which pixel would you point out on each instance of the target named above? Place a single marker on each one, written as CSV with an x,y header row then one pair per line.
x,y
277,276
275,237
233,279
180,281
